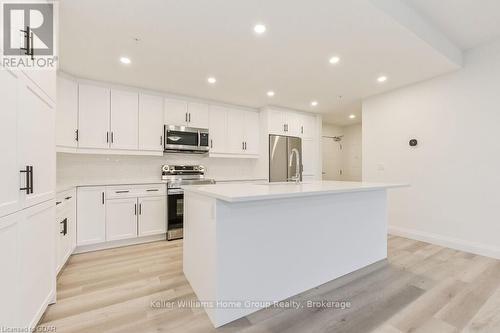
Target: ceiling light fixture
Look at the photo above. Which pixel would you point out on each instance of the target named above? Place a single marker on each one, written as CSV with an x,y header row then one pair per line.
x,y
382,79
270,93
259,28
352,116
211,80
314,103
334,60
125,60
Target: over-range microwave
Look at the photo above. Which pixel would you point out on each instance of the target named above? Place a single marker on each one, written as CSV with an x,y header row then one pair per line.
x,y
182,139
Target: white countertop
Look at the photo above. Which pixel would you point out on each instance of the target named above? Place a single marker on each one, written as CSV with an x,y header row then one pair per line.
x,y
264,191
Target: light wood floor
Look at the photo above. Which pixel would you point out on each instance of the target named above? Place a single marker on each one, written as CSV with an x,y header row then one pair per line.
x,y
422,288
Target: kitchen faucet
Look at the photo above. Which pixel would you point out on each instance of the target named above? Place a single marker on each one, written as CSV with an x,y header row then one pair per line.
x,y
295,178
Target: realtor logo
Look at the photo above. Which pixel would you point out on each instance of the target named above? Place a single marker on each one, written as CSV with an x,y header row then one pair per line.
x,y
28,29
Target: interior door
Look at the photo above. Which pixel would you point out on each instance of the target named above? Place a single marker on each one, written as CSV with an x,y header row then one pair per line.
x,y
121,218
150,122
10,178
93,116
66,113
252,136
235,131
332,159
278,158
124,120
36,138
176,112
152,216
218,129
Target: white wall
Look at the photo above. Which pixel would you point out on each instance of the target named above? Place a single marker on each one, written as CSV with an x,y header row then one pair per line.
x,y
454,172
78,168
344,155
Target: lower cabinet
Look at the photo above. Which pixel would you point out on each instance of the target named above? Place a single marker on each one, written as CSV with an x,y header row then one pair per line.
x,y
65,227
28,265
152,216
121,218
91,214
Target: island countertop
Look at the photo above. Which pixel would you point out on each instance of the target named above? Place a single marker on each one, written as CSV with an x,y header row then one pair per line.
x,y
241,192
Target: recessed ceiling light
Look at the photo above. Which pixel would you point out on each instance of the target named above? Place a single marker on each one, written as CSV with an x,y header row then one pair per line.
x,y
125,60
334,60
211,80
382,79
270,93
259,29
314,103
352,116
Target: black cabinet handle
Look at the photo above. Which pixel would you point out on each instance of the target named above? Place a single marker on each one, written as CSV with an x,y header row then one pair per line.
x,y
211,143
135,209
65,227
112,137
27,172
67,198
140,209
103,198
152,190
31,179
76,135
125,191
161,140
107,137
186,117
58,202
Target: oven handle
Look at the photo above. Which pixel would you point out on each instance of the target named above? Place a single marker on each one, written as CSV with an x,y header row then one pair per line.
x,y
175,191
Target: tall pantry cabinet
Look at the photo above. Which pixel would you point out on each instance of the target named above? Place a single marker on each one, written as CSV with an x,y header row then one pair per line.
x,y
27,191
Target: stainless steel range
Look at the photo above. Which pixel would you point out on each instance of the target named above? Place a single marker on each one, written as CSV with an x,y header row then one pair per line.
x,y
176,176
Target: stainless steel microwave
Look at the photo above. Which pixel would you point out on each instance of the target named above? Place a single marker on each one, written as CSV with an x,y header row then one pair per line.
x,y
182,139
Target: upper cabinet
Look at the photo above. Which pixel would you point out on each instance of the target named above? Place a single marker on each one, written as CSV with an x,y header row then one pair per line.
x,y
290,123
182,113
217,128
124,129
67,113
150,122
235,131
93,116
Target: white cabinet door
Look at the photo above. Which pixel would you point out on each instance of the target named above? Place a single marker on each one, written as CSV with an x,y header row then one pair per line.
x,y
276,122
307,128
309,157
36,143
90,225
9,170
66,113
152,216
45,80
252,130
176,112
198,115
235,131
150,122
218,129
124,120
93,116
36,278
9,257
121,218
293,124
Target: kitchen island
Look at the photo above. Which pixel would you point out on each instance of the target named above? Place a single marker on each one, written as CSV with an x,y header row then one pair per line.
x,y
248,245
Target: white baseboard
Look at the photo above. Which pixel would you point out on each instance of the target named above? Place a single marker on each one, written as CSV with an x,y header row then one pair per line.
x,y
120,243
453,243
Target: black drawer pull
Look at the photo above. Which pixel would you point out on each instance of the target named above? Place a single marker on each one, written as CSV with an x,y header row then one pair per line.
x,y
58,202
67,198
122,191
152,190
65,227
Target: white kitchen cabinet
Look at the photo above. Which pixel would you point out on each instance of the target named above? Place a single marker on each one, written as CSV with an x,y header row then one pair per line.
x,y
36,143
65,227
276,122
121,219
252,132
290,123
197,115
10,194
93,116
218,129
67,113
152,216
235,131
150,122
36,275
9,257
91,213
124,120
309,148
176,112
307,126
44,79
293,124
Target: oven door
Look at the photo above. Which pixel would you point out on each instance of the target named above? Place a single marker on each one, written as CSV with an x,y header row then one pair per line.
x,y
175,213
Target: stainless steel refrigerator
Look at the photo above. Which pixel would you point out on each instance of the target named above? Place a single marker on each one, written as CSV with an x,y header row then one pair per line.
x,y
285,158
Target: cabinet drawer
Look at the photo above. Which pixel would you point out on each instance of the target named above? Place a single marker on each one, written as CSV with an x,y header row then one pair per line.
x,y
132,191
64,199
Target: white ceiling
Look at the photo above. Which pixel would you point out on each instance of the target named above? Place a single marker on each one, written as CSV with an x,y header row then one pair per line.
x,y
467,23
182,42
